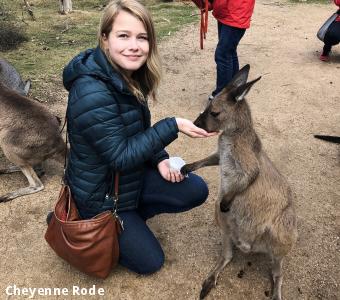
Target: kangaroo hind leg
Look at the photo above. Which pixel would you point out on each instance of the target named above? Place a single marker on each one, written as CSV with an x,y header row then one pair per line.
x,y
35,185
223,260
277,277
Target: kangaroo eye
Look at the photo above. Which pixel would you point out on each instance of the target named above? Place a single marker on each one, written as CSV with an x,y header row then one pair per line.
x,y
214,114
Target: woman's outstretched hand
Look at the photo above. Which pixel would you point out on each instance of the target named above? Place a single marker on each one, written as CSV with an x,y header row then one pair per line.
x,y
187,127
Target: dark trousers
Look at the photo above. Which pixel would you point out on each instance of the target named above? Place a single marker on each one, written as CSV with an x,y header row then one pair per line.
x,y
140,250
226,54
332,37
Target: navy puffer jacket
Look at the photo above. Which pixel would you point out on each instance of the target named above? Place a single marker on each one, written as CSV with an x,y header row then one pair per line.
x,y
109,131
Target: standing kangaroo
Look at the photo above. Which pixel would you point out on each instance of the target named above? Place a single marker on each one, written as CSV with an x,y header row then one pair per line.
x,y
10,78
254,209
29,134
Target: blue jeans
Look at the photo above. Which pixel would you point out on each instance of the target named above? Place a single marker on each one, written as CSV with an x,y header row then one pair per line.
x,y
140,251
332,37
226,55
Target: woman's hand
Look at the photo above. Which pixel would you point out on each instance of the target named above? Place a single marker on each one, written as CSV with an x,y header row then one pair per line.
x,y
167,173
187,127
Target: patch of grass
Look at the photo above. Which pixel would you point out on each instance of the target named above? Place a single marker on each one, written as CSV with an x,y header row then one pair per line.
x,y
311,1
170,17
54,39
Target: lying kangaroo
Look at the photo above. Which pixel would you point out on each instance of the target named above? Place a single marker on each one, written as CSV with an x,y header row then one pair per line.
x,y
29,134
10,78
254,209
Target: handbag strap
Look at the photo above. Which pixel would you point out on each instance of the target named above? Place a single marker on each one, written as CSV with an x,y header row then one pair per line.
x,y
115,198
116,184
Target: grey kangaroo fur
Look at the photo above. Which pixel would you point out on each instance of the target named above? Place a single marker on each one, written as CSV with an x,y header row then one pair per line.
x,y
10,78
29,134
254,209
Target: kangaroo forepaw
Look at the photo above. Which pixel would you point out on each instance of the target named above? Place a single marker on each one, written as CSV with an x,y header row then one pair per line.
x,y
186,169
225,206
207,285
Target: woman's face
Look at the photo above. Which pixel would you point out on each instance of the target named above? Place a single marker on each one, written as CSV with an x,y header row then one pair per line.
x,y
127,42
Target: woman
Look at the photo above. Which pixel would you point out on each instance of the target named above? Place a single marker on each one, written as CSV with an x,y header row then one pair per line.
x,y
332,36
109,131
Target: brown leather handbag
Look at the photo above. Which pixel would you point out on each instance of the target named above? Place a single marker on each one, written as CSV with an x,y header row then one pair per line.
x,y
90,245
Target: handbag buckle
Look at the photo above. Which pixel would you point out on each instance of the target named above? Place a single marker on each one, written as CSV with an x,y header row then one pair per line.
x,y
121,223
114,212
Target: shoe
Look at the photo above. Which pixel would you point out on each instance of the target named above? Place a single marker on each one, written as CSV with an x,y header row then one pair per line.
x,y
49,217
210,97
324,57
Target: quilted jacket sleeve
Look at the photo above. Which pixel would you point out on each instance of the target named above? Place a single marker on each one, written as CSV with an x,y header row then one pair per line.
x,y
99,122
158,157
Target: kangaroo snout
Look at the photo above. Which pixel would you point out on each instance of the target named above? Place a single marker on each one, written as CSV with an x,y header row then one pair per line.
x,y
199,122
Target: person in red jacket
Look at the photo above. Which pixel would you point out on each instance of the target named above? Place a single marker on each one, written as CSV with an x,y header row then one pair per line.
x,y
332,36
233,18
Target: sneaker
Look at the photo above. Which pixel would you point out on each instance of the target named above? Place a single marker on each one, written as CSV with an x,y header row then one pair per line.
x,y
324,57
210,97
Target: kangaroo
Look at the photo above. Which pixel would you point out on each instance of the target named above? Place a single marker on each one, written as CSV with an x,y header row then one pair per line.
x,y
10,78
254,209
29,134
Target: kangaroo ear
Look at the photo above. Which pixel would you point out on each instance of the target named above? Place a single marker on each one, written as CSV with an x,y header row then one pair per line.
x,y
240,92
27,86
240,77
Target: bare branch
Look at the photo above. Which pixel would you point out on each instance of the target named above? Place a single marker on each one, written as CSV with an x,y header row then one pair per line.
x,y
29,10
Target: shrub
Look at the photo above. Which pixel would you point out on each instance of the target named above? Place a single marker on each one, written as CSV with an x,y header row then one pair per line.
x,y
12,34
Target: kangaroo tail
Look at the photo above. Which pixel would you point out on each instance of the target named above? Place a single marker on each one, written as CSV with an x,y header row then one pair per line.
x,y
328,138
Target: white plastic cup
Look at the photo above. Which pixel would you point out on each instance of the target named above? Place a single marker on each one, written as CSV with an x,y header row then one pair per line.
x,y
176,163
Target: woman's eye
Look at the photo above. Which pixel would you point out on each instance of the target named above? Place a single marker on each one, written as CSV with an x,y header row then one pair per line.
x,y
123,36
214,114
145,38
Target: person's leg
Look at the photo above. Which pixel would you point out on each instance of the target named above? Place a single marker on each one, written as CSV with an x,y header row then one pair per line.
x,y
161,196
226,55
139,250
332,35
219,30
325,51
332,38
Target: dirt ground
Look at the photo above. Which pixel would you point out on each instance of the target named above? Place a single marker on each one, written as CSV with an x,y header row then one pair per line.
x,y
298,96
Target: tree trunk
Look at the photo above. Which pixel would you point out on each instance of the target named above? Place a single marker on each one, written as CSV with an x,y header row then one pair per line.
x,y
65,6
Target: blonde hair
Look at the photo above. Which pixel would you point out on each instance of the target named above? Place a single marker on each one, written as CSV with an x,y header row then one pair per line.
x,y
145,80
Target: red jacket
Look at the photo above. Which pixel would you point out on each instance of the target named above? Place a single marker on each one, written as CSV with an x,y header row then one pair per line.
x,y
236,13
337,2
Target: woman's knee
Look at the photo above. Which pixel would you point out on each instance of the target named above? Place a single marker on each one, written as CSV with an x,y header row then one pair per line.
x,y
199,190
149,264
153,265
